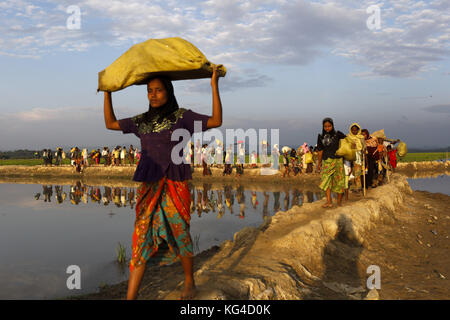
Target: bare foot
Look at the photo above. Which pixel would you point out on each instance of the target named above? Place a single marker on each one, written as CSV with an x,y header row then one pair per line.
x,y
327,205
189,292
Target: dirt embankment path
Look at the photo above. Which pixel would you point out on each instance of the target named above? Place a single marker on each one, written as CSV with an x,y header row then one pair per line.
x,y
311,253
97,174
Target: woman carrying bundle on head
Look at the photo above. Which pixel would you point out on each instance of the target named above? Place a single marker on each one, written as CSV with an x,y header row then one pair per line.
x,y
333,175
161,234
372,158
358,143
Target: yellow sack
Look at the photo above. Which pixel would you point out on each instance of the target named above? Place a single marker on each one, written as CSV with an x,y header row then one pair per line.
x,y
402,149
379,134
345,149
175,58
308,158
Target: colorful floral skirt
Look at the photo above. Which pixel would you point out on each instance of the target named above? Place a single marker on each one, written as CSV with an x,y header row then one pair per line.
x,y
162,223
333,175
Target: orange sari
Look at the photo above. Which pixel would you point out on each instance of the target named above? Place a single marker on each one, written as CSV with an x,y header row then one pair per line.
x,y
162,223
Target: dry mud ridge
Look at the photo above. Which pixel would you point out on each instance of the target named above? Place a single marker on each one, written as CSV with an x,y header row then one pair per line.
x,y
312,253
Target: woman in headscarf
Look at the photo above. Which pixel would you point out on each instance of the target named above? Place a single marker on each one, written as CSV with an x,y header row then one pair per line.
x,y
333,175
372,158
275,156
358,143
161,234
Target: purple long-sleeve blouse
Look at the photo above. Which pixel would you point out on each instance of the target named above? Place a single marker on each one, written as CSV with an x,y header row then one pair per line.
x,y
156,145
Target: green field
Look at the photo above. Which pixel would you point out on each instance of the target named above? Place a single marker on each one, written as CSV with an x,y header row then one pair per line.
x,y
410,157
26,162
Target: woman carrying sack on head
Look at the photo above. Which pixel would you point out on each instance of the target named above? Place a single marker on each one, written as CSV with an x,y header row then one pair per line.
x,y
358,143
372,158
333,175
161,233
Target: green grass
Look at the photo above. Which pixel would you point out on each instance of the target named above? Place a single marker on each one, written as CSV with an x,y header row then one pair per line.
x,y
121,254
410,157
26,162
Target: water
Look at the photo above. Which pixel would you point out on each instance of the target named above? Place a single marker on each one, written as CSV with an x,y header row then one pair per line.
x,y
440,183
46,228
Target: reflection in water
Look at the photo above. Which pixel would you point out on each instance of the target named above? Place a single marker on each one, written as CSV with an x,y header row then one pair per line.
x,y
205,200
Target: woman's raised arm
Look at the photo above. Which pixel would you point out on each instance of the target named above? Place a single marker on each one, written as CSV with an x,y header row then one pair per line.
x,y
216,119
111,122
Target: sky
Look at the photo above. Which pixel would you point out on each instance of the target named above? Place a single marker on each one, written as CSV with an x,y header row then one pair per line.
x,y
289,65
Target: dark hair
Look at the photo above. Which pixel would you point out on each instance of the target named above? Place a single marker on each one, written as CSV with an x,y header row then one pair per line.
x,y
332,132
169,107
365,131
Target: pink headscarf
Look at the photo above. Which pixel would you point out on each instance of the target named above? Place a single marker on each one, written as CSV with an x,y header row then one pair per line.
x,y
305,148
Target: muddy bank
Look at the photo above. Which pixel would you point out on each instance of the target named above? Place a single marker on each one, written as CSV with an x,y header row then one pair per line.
x,y
423,166
97,173
311,253
121,175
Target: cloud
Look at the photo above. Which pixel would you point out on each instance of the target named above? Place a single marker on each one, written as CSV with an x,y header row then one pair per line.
x,y
44,115
234,80
414,35
442,108
66,126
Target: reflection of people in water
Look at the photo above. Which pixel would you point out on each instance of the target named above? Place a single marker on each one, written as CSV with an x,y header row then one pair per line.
x,y
116,196
131,198
242,210
276,202
107,197
95,194
229,197
192,192
199,203
254,201
84,190
123,197
265,204
241,200
205,199
220,207
47,191
60,195
75,193
212,200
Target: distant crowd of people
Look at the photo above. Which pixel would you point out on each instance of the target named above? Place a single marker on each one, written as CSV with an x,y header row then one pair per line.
x,y
380,156
372,157
295,161
80,159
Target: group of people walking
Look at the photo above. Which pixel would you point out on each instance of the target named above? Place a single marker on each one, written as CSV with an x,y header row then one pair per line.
x,y
47,157
161,230
118,156
373,158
